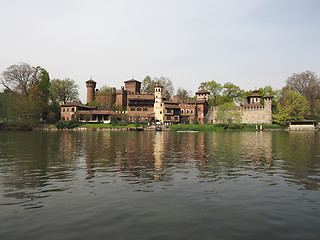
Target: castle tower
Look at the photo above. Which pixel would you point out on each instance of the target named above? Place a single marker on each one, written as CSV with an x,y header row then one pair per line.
x,y
132,86
203,95
158,104
267,101
254,98
91,88
268,108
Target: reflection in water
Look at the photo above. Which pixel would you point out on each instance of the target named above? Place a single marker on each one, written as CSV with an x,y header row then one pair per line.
x,y
160,182
141,158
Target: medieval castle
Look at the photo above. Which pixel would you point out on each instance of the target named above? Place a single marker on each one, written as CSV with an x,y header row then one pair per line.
x,y
137,106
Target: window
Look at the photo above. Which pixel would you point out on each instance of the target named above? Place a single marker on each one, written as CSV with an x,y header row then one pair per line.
x,y
63,110
176,118
145,109
139,109
63,118
133,109
67,109
191,111
199,109
160,112
182,111
72,109
168,117
187,111
168,110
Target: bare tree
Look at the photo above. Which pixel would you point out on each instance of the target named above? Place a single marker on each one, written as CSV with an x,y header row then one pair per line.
x,y
307,84
19,78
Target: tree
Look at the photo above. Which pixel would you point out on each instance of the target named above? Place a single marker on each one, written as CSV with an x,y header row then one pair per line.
x,y
64,90
183,94
43,81
105,99
215,90
292,106
268,90
231,92
19,78
228,114
148,85
307,84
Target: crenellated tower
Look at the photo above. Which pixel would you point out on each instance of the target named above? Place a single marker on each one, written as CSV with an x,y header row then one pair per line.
x,y
158,104
91,89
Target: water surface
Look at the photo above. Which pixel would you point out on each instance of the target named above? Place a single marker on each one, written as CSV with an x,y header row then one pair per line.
x,y
159,185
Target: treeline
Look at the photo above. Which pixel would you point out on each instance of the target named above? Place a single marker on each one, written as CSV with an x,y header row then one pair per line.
x,y
30,97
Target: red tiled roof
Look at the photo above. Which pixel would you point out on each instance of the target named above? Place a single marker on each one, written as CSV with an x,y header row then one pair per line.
x,y
267,96
105,112
254,95
203,91
77,104
251,105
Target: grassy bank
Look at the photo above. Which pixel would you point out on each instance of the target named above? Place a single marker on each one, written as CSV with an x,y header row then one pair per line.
x,y
109,125
218,127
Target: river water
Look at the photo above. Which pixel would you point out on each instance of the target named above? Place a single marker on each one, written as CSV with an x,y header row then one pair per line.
x,y
159,185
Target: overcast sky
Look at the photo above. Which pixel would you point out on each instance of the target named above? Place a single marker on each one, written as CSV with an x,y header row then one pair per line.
x,y
251,43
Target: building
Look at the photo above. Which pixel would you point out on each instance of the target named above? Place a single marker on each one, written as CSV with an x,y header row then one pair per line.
x,y
253,112
149,107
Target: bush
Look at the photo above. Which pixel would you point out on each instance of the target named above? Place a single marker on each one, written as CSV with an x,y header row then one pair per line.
x,y
67,124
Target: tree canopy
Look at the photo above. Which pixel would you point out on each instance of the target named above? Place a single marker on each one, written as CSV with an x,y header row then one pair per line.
x,y
19,78
64,90
308,85
183,94
292,106
148,85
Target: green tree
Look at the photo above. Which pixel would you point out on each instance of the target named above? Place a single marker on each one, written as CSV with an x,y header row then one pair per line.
x,y
43,82
231,93
215,90
228,114
64,90
292,106
148,85
183,94
307,84
105,99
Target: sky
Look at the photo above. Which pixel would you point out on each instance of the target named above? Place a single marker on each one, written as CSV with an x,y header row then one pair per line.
x,y
250,43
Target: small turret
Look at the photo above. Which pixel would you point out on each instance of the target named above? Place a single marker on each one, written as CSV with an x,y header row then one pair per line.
x,y
91,88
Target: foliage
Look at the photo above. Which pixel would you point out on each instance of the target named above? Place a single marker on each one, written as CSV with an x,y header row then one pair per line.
x,y
308,85
215,90
19,78
220,94
64,90
105,99
228,114
43,82
183,94
231,92
292,106
148,85
67,124
268,90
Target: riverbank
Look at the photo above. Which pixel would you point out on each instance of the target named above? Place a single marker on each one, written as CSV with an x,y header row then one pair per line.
x,y
175,128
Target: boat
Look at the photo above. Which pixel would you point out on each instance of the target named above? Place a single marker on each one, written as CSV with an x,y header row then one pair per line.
x,y
187,131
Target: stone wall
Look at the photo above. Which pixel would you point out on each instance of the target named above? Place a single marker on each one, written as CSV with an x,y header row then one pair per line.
x,y
250,115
